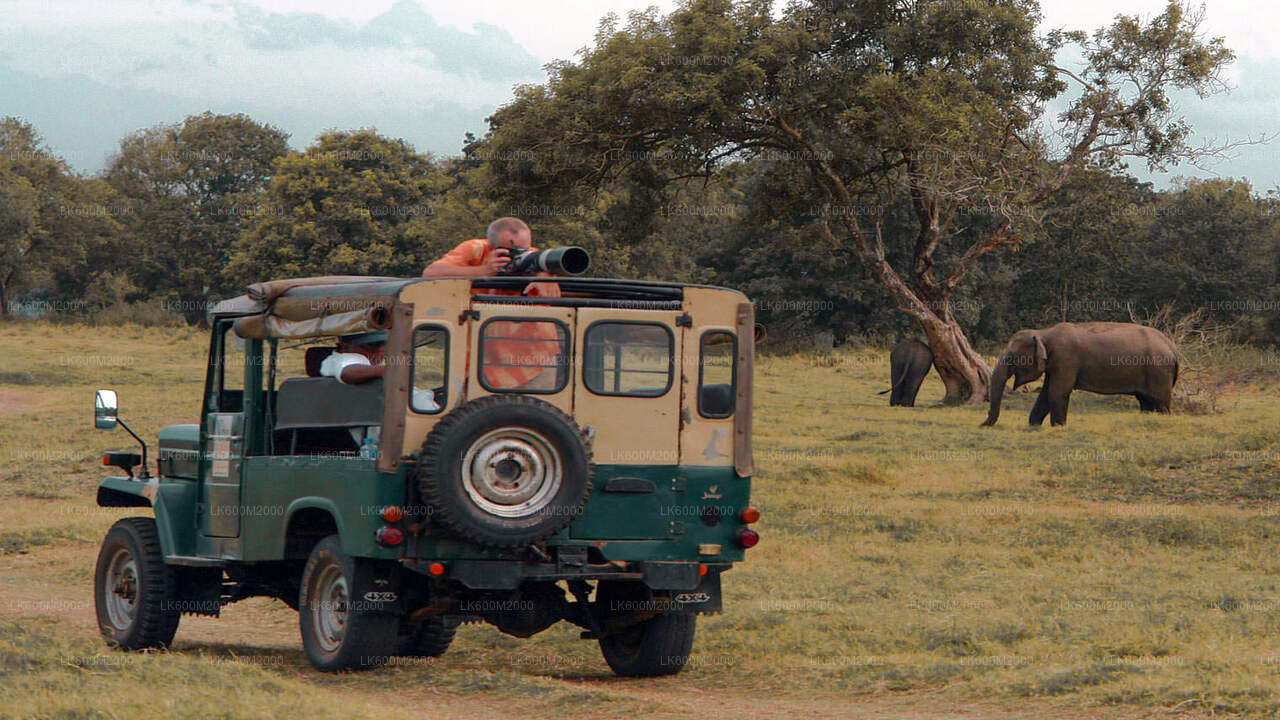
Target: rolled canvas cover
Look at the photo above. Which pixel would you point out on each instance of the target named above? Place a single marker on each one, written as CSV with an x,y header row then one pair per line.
x,y
351,303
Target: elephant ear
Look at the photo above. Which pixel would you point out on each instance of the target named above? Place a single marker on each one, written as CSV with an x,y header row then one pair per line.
x,y
1041,353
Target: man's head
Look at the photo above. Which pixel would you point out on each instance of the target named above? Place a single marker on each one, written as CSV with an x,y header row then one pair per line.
x,y
510,232
371,344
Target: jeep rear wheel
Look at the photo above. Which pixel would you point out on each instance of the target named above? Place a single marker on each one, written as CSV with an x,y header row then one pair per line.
x,y
133,589
505,471
659,645
430,638
340,631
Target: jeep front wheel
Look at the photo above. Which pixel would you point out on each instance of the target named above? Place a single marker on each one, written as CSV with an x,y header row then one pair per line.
x,y
657,645
133,589
505,471
340,630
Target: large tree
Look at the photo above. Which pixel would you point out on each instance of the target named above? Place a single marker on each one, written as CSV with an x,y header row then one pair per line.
x,y
190,189
354,202
864,101
52,223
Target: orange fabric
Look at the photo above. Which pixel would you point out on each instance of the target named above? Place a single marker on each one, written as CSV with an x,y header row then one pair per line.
x,y
478,251
516,343
524,354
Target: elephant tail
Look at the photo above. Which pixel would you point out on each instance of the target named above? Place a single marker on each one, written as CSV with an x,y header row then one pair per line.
x,y
897,383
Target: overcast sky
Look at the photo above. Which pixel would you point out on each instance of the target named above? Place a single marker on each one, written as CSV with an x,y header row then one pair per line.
x,y
86,73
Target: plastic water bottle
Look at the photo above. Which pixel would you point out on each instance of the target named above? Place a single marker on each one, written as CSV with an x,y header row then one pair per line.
x,y
368,448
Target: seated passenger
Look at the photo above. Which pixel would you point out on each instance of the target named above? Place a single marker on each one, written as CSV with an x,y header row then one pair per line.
x,y
358,359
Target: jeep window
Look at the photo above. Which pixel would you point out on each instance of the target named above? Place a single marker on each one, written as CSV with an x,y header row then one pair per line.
x,y
528,356
230,373
430,369
628,358
716,374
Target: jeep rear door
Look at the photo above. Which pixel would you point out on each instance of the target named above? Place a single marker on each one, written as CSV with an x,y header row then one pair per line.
x,y
627,397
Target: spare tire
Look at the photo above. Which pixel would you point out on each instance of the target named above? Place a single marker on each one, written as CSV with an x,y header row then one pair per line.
x,y
505,470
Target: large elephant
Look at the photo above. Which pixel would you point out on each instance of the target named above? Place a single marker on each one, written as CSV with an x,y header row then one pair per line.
x,y
1101,357
909,362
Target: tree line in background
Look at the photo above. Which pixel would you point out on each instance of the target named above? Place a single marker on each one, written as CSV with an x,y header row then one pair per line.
x,y
845,174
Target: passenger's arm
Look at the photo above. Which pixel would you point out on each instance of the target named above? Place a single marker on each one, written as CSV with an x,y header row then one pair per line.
x,y
354,374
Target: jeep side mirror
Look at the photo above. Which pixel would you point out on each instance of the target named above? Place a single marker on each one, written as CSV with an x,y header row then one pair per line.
x,y
106,410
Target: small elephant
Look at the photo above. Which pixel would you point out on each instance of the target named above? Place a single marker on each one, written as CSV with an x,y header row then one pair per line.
x,y
1102,357
909,362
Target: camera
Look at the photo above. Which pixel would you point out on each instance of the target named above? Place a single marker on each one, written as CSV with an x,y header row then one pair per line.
x,y
557,261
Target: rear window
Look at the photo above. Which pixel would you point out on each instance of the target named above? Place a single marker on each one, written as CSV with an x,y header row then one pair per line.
x,y
717,373
528,356
430,390
628,358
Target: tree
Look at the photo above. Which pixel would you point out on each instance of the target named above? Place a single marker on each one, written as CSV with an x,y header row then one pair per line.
x,y
1072,267
50,220
189,189
1210,244
354,202
863,101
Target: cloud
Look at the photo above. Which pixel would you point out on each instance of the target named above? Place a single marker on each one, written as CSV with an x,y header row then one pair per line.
x,y
400,71
489,53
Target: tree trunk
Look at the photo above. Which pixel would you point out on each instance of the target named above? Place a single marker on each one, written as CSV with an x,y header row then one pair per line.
x,y
964,373
4,297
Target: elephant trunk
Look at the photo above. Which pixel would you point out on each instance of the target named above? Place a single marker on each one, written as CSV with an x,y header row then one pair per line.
x,y
995,389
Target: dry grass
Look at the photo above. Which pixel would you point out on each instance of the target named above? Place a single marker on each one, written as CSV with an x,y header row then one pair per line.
x,y
1125,561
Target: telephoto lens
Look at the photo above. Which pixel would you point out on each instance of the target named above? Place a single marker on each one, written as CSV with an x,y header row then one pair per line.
x,y
557,261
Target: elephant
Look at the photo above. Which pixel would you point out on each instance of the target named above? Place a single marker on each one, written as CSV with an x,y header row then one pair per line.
x,y
1102,357
909,362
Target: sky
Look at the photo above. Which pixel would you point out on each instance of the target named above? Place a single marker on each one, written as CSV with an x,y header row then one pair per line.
x,y
87,73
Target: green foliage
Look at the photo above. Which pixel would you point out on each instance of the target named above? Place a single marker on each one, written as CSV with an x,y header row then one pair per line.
x,y
188,190
56,229
352,203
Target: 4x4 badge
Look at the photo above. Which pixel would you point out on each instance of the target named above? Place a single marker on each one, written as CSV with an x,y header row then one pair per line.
x,y
380,596
692,598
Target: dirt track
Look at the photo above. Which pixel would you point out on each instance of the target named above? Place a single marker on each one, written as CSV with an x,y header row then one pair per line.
x,y
55,580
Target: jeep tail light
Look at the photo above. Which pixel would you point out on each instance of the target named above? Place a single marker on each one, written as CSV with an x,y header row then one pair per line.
x,y
750,515
392,514
702,569
389,536
436,568
747,537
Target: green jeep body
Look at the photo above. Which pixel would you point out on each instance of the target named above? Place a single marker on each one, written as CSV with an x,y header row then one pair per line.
x,y
243,498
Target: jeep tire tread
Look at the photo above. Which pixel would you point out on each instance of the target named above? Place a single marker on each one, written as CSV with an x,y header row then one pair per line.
x,y
133,588
654,647
430,638
338,631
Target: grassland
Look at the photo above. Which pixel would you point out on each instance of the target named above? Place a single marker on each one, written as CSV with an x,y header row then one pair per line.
x,y
912,564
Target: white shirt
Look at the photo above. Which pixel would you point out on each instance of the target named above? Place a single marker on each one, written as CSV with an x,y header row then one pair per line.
x,y
337,362
423,400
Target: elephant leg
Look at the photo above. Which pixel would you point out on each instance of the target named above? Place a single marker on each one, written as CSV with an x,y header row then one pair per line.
x,y
1145,402
1040,409
1058,409
913,388
1162,400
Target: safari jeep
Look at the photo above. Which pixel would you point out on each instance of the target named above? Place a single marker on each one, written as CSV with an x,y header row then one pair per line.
x,y
522,461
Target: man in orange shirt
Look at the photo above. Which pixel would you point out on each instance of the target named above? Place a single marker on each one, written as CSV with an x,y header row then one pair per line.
x,y
484,257
524,355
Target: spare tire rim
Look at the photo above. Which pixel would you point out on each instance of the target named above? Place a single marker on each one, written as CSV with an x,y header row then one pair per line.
x,y
329,611
121,590
512,472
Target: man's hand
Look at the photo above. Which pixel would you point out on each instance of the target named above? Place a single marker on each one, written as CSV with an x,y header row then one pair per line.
x,y
543,289
498,259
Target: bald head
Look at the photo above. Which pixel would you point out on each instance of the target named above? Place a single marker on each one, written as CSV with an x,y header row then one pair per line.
x,y
503,231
